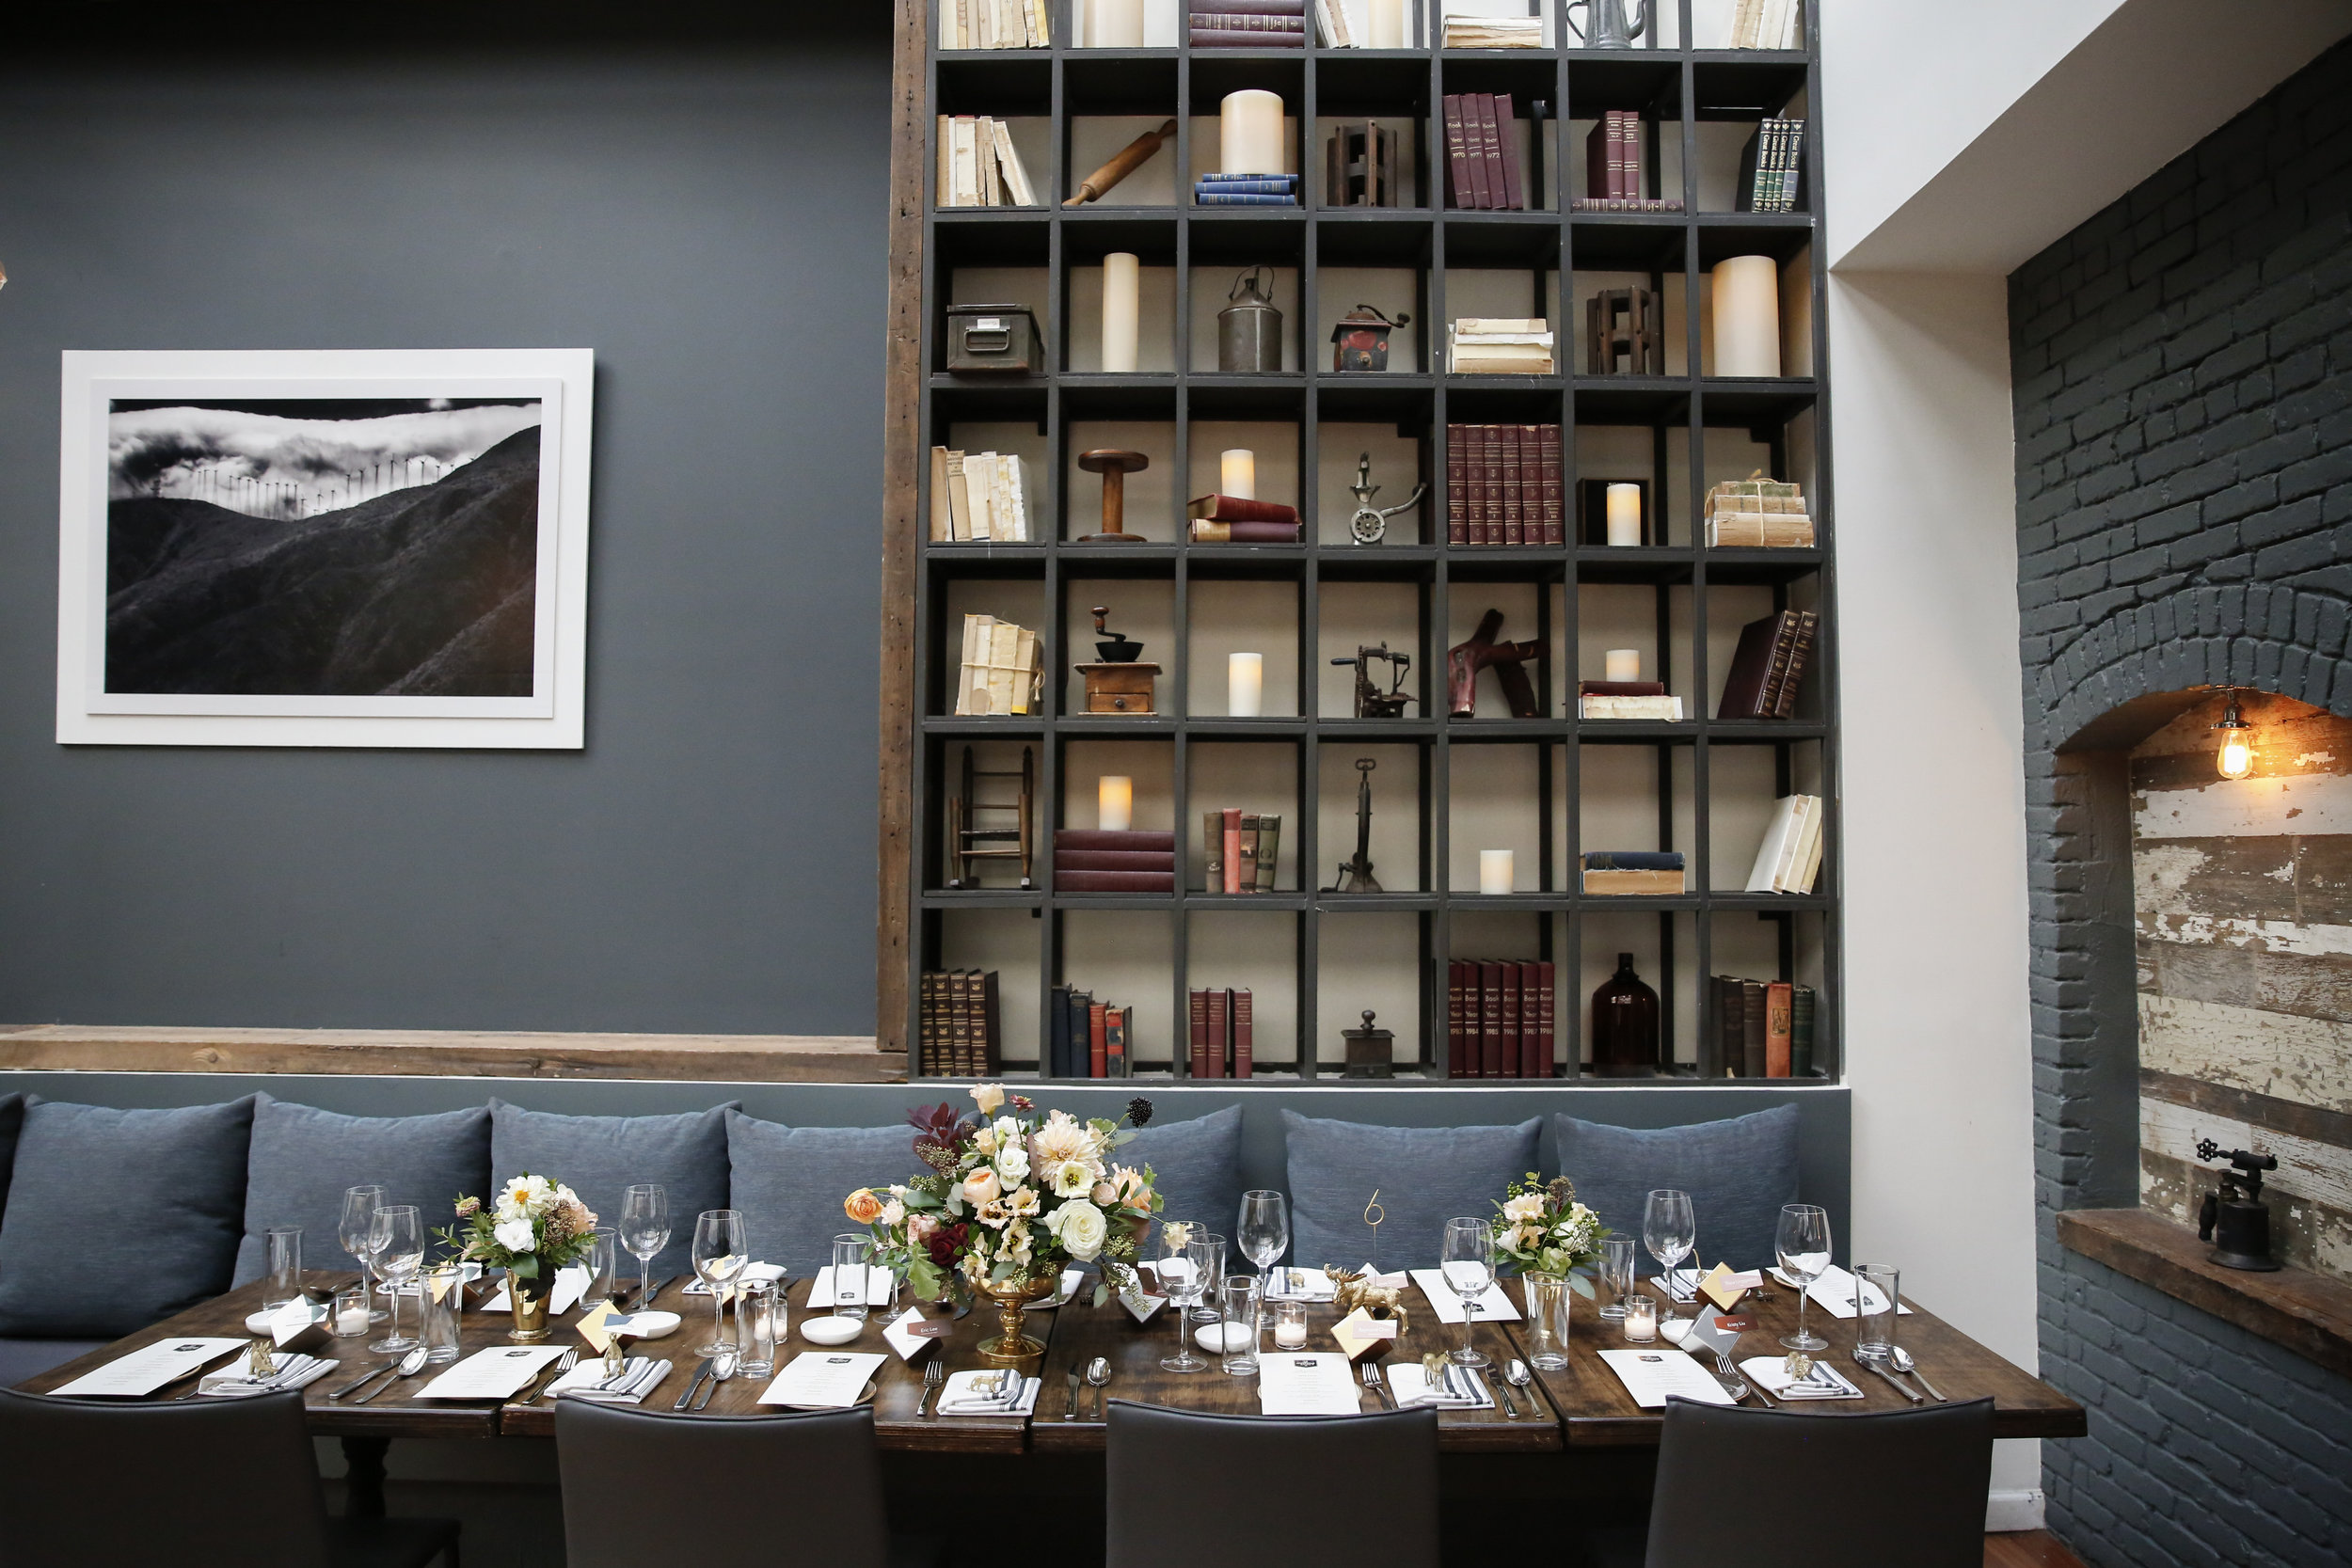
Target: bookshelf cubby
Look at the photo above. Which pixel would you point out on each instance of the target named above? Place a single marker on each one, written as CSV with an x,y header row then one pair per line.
x,y
1547,787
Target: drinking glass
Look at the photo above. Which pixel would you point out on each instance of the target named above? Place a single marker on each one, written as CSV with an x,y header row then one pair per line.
x,y
1802,1245
1670,1230
1212,1283
852,1254
755,1329
1616,1274
353,1230
719,1254
603,1262
396,1242
440,1295
1263,1230
1547,1320
645,1229
1180,1278
1878,1295
1237,1308
1468,1266
284,1278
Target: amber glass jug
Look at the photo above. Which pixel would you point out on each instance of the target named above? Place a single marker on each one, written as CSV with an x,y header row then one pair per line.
x,y
1625,1024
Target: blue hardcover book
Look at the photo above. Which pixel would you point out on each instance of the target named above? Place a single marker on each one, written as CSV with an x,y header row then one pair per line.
x,y
1261,182
1242,198
1633,859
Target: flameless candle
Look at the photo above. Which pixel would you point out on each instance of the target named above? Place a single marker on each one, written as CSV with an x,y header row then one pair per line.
x,y
1245,685
1123,306
1118,25
1622,664
1494,871
1237,473
1115,802
1388,24
1747,316
1249,133
1625,514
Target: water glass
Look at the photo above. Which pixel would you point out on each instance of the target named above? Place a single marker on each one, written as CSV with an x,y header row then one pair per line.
x,y
1874,1314
347,1316
1547,1320
1212,1282
1669,1229
396,1242
356,1229
1263,1228
1641,1319
1290,1324
1802,1245
1179,1280
1237,1304
755,1328
282,1282
1617,1275
441,1290
851,1252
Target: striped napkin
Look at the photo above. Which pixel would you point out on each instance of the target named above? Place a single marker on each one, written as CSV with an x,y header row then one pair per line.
x,y
293,1372
962,1396
640,1375
1825,1381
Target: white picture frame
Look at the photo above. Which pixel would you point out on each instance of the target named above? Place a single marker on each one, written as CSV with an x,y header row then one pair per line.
x,y
102,446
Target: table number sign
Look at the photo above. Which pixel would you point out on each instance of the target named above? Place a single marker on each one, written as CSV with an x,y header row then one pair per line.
x,y
1725,1288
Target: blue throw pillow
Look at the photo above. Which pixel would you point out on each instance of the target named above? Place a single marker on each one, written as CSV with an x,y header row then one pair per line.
x,y
789,1182
303,1158
11,1121
1197,1164
1425,1176
1738,1171
598,1156
116,1219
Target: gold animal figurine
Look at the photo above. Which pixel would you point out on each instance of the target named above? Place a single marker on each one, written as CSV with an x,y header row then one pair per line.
x,y
1381,1302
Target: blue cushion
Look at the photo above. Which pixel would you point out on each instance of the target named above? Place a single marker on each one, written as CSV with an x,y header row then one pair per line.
x,y
119,1218
789,1182
11,1121
1425,1176
303,1158
27,1358
1738,1171
1197,1166
598,1156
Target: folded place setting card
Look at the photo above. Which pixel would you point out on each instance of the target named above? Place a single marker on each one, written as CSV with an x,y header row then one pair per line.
x,y
1494,1306
1306,1382
974,1393
823,1380
880,1286
570,1283
149,1367
1824,1382
495,1374
1834,1292
1651,1375
1461,1388
910,1333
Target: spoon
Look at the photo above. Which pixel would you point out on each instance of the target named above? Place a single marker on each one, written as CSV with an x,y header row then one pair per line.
x,y
1904,1364
1098,1377
1519,1377
410,1364
722,1370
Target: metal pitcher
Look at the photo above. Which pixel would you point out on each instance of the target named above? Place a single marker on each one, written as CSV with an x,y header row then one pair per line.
x,y
1610,29
1249,330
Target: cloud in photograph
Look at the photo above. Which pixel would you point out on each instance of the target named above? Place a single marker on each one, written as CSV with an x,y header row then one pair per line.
x,y
182,449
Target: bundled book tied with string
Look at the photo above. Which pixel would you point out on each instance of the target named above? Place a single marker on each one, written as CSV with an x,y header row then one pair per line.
x,y
978,497
1493,31
999,672
978,164
1499,345
1756,513
996,24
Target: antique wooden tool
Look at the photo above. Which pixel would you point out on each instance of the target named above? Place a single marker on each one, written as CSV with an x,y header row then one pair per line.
x,y
1121,681
1122,163
1355,876
1371,702
1509,661
1114,466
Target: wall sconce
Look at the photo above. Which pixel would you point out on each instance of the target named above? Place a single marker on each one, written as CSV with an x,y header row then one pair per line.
x,y
2235,759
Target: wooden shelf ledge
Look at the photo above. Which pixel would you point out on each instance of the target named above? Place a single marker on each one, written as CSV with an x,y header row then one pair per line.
x,y
458,1053
2308,1314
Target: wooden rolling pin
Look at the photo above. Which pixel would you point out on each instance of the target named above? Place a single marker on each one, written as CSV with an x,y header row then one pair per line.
x,y
1124,162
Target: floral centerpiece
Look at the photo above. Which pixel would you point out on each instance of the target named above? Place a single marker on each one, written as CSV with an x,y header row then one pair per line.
x,y
533,1228
1008,1201
1541,1229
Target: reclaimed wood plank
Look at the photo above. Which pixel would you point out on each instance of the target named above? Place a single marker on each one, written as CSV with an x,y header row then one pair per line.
x,y
2242,808
2224,879
2315,986
2307,1168
2306,1061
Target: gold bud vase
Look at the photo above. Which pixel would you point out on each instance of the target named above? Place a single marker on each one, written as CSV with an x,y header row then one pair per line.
x,y
527,1299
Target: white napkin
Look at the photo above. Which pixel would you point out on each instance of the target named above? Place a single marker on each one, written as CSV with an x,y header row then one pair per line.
x,y
1300,1285
751,1271
1824,1382
1834,1292
881,1284
293,1372
1492,1307
1411,1385
963,1395
640,1376
823,1379
1306,1382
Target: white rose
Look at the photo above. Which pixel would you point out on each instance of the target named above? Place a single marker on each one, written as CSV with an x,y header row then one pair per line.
x,y
515,1235
1525,1207
893,1212
988,1096
1013,1164
1079,1227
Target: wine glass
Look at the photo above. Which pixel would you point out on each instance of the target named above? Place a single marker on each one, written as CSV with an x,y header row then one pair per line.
x,y
1802,1243
1180,1273
1468,1263
351,1230
396,1242
719,1254
602,1261
644,1230
1670,1230
1263,1231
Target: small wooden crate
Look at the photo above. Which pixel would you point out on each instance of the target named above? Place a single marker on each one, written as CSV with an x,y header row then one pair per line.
x,y
1119,688
1628,324
1360,166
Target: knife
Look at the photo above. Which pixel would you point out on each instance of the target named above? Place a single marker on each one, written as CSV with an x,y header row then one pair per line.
x,y
1069,1411
700,1373
1903,1388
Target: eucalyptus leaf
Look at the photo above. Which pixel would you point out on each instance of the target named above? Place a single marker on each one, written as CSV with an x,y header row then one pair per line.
x,y
1581,1286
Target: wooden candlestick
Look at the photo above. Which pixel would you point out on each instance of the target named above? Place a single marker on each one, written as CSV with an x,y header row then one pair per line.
x,y
1114,466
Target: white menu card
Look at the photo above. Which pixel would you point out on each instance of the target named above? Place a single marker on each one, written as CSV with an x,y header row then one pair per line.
x,y
880,1284
823,1379
1493,1307
149,1367
1651,1375
490,1374
1306,1382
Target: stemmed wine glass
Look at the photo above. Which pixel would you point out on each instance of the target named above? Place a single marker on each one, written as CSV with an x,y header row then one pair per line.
x,y
1670,1230
396,1242
644,1230
1468,1266
351,1230
1802,1243
1183,1259
719,1254
1263,1231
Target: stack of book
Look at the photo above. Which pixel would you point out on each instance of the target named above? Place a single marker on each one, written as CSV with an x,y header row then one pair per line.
x,y
1498,1020
1770,167
1623,872
1789,857
1763,1028
1494,32
1246,23
1107,860
1769,666
1502,485
1758,514
1499,345
1247,190
1331,23
1086,1038
1627,700
1000,673
960,1035
1768,25
1481,152
1239,848
1615,179
993,24
978,166
1220,1034
976,495
1237,520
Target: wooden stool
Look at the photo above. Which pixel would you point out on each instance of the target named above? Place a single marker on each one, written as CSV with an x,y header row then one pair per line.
x,y
1628,322
1114,466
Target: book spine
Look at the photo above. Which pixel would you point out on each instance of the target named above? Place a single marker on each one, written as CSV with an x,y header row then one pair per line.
x,y
1098,1040
1479,111
992,1051
1245,21
1556,518
1197,1004
1212,850
1220,1032
1230,829
1546,1020
1513,1020
1243,1043
1785,625
1514,474
1751,1029
1241,199
1057,1062
1506,122
1776,1024
1239,508
927,1027
1116,1064
1454,1004
1800,649
1457,487
1113,860
1247,7
1490,479
1206,532
1114,881
1490,1042
1801,1011
1246,873
959,1023
1457,155
1251,185
1114,838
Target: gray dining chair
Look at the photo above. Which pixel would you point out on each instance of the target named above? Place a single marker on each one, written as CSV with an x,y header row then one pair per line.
x,y
203,1481
1187,1488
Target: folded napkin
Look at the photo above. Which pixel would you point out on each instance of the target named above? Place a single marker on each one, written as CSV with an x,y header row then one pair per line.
x,y
751,1271
963,1395
1824,1382
1461,1388
640,1376
1300,1285
1680,1284
293,1372
1835,1292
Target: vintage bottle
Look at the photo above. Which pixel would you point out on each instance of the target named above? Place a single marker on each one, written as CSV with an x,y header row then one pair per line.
x,y
1625,1024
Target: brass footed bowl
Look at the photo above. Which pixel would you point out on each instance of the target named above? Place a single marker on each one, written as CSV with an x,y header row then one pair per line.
x,y
1011,1298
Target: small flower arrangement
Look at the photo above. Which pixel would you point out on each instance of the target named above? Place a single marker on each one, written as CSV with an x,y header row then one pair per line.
x,y
1540,1228
1010,1197
535,1228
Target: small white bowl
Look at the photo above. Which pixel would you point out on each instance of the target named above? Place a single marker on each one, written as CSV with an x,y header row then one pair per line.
x,y
1673,1330
830,1331
258,1323
652,1326
1218,1338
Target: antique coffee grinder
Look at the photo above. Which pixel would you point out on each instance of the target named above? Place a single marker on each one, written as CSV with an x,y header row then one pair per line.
x,y
1370,1052
1249,330
1360,342
1371,702
2233,1217
1371,523
1123,682
1355,876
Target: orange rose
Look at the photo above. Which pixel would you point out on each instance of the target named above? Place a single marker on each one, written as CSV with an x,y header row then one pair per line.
x,y
981,1186
863,1206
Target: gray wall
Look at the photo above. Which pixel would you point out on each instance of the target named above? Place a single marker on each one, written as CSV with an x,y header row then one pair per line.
x,y
711,221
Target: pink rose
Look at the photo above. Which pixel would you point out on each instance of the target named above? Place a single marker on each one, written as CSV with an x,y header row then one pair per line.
x,y
1104,1194
919,1229
981,1186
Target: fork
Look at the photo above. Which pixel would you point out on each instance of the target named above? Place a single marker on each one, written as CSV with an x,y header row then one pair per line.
x,y
1735,1385
1378,1385
933,1375
564,1364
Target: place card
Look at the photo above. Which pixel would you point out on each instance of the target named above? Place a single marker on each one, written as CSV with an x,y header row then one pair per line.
x,y
570,1283
1138,1305
823,1379
910,1334
495,1374
1713,1333
1722,1286
1306,1382
1834,1292
149,1368
1652,1376
1300,1285
881,1286
300,1325
1492,1307
1360,1332
594,1326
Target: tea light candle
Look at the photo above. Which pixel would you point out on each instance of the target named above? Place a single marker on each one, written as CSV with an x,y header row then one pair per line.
x,y
1495,871
1747,316
1622,664
1289,1325
352,1320
1118,25
1237,473
1625,514
1641,1318
1115,802
1122,310
1245,685
1388,24
1250,134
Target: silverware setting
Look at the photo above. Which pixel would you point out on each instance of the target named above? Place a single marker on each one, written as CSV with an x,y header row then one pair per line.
x,y
1905,1389
701,1372
722,1370
1378,1385
1098,1378
1519,1377
1904,1365
1736,1386
409,1366
1503,1397
1069,1404
374,1372
934,1374
548,1375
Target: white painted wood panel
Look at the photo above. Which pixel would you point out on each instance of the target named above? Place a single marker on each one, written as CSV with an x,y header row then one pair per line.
x,y
2248,808
2307,1060
2306,1169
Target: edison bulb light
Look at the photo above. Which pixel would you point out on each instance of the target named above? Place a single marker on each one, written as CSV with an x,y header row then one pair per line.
x,y
2236,758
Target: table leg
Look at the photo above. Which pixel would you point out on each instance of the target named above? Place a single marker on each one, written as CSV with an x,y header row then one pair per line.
x,y
363,1461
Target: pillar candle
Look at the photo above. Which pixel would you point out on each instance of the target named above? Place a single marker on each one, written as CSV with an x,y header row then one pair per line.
x,y
1122,306
1388,24
1625,514
1115,802
1245,685
1237,473
1494,871
1118,25
1747,316
1622,664
1249,133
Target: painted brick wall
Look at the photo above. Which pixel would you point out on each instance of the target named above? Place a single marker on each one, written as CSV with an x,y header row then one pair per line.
x,y
2183,366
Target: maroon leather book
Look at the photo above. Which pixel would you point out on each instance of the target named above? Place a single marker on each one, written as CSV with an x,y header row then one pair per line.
x,y
1456,1010
1114,838
1457,487
1785,700
1457,152
1199,1002
1493,467
1512,483
1114,859
1539,1039
1221,1030
1490,1041
1240,509
1206,532
1475,475
1114,881
1213,37
1241,1035
1784,649
1474,144
1547,446
1491,150
1744,686
1506,122
1247,7
1514,1008
1590,689
1098,1041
